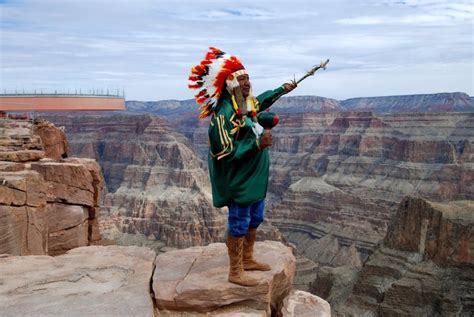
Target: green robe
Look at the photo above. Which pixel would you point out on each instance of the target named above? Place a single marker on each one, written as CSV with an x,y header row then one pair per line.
x,y
237,168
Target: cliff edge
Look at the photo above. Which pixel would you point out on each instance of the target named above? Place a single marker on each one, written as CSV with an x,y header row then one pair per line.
x,y
133,281
48,202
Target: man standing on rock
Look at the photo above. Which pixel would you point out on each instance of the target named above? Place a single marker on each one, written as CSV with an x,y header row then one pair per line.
x,y
238,155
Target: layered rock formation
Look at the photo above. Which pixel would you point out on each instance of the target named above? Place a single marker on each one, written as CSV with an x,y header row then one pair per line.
x,y
53,139
352,169
424,267
442,102
344,173
336,178
157,186
95,280
46,206
18,143
298,104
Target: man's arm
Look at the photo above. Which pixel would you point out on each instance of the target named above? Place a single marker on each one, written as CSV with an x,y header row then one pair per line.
x,y
269,97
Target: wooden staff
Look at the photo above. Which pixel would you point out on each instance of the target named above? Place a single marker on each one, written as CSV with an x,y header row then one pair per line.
x,y
311,72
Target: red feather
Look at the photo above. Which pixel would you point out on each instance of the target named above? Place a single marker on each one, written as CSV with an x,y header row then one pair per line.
x,y
198,70
201,93
215,50
201,99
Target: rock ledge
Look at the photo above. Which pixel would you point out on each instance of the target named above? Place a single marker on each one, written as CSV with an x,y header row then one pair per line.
x,y
195,279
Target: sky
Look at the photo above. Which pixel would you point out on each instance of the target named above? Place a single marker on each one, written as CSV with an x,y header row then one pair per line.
x,y
147,48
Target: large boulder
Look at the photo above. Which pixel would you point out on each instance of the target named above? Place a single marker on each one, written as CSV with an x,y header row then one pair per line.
x,y
195,279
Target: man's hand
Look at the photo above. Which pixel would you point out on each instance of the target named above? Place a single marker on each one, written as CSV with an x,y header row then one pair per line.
x,y
289,87
266,139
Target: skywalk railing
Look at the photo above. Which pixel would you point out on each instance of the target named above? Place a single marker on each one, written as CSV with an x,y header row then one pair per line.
x,y
76,92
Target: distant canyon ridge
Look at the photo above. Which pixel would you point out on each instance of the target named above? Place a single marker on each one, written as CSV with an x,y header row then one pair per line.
x,y
441,102
339,170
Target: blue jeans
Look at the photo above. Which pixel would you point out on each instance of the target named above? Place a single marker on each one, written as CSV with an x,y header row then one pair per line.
x,y
241,217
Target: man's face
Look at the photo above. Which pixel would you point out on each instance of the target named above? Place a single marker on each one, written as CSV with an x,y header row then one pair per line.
x,y
244,82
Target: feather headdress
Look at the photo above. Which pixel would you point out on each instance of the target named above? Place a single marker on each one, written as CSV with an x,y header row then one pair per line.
x,y
209,77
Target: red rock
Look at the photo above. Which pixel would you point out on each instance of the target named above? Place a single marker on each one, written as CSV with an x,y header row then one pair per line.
x,y
89,281
11,166
11,196
70,182
22,156
62,216
53,139
14,228
64,240
37,235
32,197
195,279
95,170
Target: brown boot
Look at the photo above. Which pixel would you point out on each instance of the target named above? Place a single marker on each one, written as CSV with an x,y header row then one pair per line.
x,y
249,261
235,246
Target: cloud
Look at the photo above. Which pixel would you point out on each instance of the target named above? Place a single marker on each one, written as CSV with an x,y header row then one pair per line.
x,y
415,19
427,13
241,13
148,47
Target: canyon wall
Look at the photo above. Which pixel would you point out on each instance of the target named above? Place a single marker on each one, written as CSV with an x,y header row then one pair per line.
x,y
48,205
157,186
424,267
345,173
336,179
